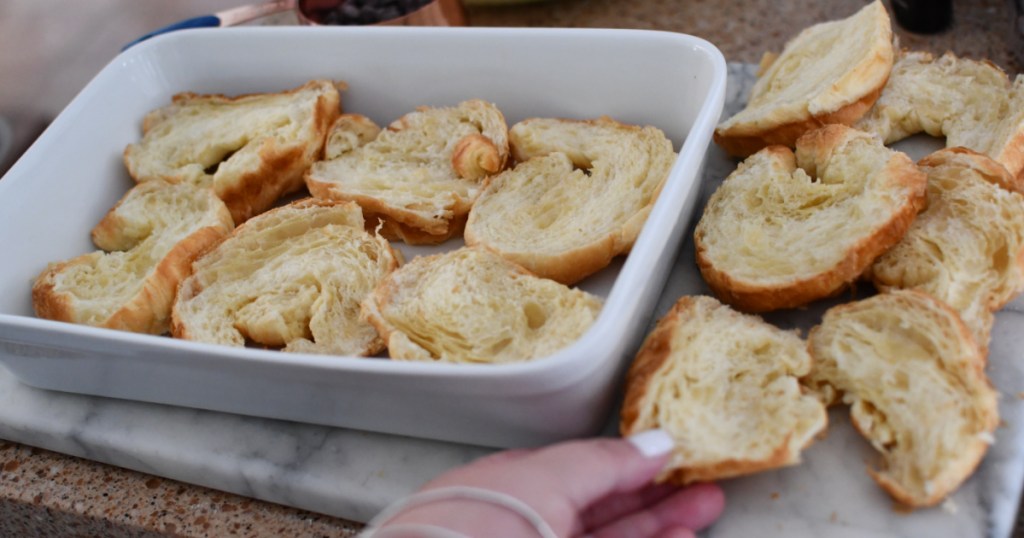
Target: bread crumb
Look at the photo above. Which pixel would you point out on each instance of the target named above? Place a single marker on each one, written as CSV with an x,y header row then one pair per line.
x,y
949,506
775,495
834,518
1020,395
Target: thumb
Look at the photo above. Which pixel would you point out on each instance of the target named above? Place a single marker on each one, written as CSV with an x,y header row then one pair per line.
x,y
589,470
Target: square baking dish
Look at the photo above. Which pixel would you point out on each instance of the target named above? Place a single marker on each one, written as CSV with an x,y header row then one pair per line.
x,y
63,185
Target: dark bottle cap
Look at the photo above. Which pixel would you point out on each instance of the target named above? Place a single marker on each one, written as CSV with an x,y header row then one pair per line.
x,y
923,16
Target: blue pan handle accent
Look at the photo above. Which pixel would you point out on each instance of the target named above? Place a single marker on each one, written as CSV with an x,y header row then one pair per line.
x,y
204,21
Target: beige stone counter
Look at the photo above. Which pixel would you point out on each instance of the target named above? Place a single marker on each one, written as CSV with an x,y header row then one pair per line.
x,y
47,494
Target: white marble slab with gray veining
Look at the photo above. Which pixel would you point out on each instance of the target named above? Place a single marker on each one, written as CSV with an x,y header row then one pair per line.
x,y
353,474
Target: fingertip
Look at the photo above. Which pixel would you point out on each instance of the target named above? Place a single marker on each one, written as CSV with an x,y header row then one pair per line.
x,y
700,505
713,498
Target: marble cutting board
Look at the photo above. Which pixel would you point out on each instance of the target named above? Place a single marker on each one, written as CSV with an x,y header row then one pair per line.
x,y
353,474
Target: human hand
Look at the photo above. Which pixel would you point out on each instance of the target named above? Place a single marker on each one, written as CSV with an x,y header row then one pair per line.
x,y
599,488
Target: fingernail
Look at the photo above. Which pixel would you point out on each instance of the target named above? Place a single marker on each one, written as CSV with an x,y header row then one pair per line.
x,y
652,443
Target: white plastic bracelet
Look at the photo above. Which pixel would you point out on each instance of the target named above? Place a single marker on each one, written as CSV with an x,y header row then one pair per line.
x,y
455,492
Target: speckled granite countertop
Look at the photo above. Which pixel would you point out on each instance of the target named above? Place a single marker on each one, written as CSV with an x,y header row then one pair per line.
x,y
43,493
745,29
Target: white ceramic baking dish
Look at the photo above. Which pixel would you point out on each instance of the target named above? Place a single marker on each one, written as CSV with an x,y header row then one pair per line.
x,y
53,196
